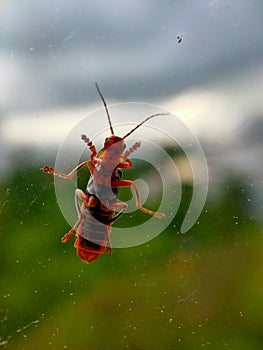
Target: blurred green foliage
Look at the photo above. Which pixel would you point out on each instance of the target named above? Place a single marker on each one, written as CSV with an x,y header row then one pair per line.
x,y
202,289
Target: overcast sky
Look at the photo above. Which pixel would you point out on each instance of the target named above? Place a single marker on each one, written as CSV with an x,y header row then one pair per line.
x,y
52,51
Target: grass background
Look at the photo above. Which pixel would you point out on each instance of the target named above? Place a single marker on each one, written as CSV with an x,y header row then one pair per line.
x,y
202,289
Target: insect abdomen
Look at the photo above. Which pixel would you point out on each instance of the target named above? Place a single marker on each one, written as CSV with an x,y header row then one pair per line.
x,y
93,233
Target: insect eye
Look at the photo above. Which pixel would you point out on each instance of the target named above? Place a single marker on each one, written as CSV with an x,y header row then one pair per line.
x,y
106,139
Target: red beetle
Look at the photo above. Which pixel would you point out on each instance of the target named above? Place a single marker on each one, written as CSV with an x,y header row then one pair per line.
x,y
99,202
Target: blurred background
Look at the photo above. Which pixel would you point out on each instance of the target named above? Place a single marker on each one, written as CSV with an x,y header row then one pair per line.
x,y
200,289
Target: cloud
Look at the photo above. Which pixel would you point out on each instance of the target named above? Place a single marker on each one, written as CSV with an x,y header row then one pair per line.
x,y
53,50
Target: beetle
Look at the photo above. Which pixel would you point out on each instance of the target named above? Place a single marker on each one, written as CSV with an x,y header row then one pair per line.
x,y
97,206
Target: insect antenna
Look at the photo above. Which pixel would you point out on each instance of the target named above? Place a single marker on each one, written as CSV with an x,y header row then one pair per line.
x,y
145,120
105,105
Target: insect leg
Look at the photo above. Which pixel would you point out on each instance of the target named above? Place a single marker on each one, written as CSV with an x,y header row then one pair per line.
x,y
49,170
90,145
68,235
118,206
78,195
132,149
126,165
82,196
117,215
109,246
128,183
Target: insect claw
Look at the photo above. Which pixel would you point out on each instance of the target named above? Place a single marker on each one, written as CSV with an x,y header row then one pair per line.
x,y
85,138
109,250
159,215
67,236
46,169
